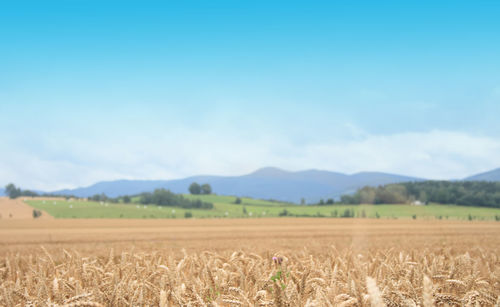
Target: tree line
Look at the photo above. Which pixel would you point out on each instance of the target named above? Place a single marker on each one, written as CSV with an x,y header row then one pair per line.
x,y
463,193
162,197
197,189
14,192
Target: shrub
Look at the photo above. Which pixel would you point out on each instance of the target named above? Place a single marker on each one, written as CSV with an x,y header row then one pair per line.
x,y
347,213
284,213
37,213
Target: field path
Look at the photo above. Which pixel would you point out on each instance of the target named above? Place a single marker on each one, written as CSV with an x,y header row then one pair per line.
x,y
11,209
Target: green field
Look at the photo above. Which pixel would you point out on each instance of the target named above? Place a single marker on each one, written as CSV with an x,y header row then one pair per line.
x,y
224,207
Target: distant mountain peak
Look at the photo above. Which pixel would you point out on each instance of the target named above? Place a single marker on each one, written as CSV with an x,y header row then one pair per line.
x,y
269,172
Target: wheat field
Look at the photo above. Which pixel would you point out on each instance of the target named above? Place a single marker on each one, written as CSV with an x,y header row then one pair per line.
x,y
280,262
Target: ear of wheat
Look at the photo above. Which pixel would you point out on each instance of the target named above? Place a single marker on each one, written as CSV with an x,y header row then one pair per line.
x,y
337,278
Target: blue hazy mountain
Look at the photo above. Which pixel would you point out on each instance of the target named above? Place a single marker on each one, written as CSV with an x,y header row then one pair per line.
x,y
265,183
2,192
493,175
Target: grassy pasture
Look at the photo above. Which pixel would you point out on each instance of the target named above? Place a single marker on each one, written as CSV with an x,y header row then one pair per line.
x,y
224,207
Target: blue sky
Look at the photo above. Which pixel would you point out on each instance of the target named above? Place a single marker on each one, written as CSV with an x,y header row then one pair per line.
x,y
101,90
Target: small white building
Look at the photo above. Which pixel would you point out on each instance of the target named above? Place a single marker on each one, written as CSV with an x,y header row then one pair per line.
x,y
418,203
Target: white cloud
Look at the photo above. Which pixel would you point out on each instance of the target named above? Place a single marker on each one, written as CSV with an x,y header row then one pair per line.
x,y
434,155
72,162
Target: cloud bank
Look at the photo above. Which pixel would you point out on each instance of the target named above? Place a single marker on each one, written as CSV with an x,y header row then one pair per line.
x,y
73,162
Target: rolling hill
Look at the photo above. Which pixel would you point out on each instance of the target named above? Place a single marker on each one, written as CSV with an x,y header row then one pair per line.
x,y
493,175
265,183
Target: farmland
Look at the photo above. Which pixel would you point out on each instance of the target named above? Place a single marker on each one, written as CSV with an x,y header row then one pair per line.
x,y
249,262
17,209
105,254
224,207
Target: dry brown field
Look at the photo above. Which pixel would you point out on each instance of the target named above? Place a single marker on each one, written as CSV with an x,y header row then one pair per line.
x,y
224,262
18,209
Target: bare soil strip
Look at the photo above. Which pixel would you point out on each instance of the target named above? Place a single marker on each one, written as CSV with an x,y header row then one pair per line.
x,y
17,209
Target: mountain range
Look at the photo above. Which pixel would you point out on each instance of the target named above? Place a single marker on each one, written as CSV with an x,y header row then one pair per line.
x,y
265,183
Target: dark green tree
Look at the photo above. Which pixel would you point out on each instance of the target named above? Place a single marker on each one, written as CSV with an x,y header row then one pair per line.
x,y
12,191
206,189
194,188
